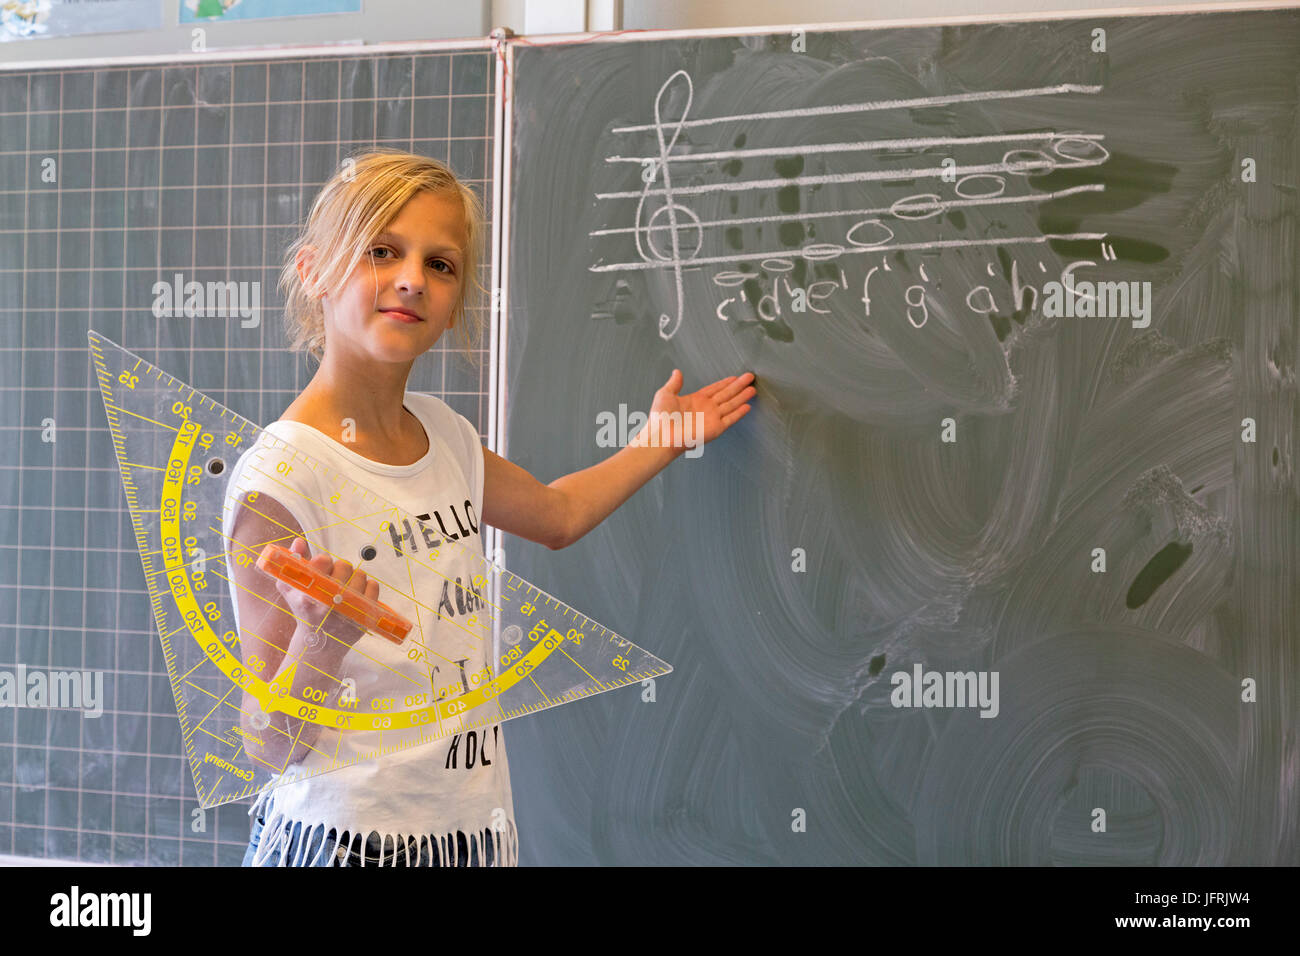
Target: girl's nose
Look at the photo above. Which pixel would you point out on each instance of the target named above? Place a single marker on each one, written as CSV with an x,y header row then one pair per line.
x,y
410,277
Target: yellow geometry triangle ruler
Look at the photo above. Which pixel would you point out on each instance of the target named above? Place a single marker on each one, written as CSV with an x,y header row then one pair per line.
x,y
266,693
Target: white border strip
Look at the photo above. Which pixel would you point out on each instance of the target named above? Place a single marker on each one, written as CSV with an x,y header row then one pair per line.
x,y
496,314
276,52
505,179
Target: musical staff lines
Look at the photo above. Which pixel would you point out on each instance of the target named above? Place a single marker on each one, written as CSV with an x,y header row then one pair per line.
x,y
668,234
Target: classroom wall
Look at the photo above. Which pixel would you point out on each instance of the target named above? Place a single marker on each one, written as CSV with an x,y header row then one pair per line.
x,y
686,14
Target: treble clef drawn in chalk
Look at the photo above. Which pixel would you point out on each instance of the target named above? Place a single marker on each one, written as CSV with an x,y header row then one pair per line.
x,y
649,251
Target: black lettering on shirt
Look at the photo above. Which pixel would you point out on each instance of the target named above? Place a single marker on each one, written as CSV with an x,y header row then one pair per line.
x,y
475,750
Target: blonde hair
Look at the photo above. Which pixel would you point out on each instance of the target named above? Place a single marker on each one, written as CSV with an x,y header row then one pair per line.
x,y
352,208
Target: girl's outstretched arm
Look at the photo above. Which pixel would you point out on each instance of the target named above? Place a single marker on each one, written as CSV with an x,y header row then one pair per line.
x,y
560,513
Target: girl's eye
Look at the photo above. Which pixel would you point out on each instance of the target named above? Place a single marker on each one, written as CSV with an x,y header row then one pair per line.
x,y
450,269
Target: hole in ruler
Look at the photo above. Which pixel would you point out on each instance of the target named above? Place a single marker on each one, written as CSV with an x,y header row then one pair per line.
x,y
513,634
259,720
368,553
216,466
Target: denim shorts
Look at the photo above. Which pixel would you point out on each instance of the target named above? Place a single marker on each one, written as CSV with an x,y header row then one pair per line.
x,y
327,850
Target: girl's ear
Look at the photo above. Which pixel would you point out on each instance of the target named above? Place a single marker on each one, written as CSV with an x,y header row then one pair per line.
x,y
304,262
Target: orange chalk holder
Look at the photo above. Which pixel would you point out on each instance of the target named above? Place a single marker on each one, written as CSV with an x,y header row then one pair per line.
x,y
372,615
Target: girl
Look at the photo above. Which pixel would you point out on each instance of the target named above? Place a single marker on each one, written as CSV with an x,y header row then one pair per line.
x,y
388,261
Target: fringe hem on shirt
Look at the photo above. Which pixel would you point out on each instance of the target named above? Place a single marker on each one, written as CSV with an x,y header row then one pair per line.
x,y
277,828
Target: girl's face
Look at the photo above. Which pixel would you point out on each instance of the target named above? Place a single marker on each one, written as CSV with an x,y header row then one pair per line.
x,y
400,297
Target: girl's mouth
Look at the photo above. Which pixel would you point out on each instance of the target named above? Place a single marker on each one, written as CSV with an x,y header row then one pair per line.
x,y
400,316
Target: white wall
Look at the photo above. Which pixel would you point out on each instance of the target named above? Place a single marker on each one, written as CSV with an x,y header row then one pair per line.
x,y
684,14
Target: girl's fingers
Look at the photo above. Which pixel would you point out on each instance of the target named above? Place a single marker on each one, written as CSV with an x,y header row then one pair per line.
x,y
340,570
353,578
736,400
737,384
724,388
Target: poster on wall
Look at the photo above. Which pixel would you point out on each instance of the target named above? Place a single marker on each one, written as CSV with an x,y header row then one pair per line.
x,y
36,19
201,11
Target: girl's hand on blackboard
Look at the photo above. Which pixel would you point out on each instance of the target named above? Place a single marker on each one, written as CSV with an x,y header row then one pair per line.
x,y
720,406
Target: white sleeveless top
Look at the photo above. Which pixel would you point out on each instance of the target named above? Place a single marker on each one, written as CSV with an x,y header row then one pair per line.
x,y
428,791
